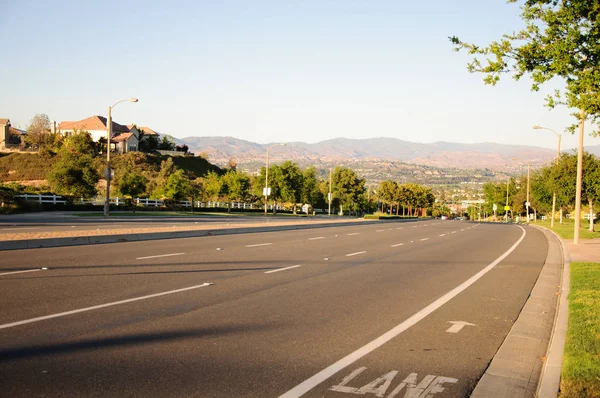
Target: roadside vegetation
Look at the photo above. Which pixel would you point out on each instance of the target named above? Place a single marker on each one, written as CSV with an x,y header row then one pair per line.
x,y
581,364
565,230
556,178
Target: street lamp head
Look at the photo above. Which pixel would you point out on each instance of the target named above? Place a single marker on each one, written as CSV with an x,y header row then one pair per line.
x,y
537,127
133,100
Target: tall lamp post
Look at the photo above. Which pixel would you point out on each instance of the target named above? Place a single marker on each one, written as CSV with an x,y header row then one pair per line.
x,y
557,158
108,169
266,190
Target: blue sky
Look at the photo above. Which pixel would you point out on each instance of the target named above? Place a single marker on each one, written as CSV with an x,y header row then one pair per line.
x,y
268,71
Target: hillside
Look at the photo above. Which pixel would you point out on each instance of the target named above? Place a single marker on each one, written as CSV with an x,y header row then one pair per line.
x,y
24,167
439,154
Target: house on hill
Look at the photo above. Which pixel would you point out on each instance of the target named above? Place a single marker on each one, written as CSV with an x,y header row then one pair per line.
x,y
124,138
4,133
10,137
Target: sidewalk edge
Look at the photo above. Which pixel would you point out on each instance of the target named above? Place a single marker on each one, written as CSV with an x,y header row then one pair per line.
x,y
549,384
516,368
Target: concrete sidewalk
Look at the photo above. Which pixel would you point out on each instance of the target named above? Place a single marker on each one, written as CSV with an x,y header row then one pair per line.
x,y
587,251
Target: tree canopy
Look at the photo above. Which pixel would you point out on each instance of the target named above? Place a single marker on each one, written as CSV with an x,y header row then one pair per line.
x,y
561,39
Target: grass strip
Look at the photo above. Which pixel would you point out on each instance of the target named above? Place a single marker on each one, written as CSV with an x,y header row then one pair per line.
x,y
566,229
581,361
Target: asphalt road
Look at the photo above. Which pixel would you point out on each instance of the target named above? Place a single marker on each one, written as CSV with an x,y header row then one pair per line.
x,y
336,312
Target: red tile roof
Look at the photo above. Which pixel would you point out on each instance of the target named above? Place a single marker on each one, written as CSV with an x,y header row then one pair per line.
x,y
148,131
93,123
121,137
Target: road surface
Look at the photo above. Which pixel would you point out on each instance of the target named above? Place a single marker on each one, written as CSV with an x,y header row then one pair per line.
x,y
385,309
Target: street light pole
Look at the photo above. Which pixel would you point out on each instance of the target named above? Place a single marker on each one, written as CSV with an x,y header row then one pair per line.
x,y
108,169
557,158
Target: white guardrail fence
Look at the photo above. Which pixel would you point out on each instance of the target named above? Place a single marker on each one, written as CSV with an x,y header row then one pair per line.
x,y
55,199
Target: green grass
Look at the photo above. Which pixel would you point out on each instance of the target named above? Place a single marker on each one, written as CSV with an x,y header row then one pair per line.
x,y
566,229
581,363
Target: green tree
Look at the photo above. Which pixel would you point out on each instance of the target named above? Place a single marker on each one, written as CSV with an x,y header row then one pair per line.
x,y
167,167
74,175
347,188
167,143
235,186
561,39
177,186
148,143
213,186
130,184
310,193
288,179
80,142
388,192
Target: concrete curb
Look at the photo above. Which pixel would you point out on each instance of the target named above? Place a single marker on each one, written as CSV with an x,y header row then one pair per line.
x,y
550,379
102,239
516,369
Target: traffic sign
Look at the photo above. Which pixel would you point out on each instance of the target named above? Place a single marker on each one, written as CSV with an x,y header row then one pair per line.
x,y
506,207
527,204
495,207
111,171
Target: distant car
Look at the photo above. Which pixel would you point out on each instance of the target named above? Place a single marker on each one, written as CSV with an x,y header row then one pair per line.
x,y
444,217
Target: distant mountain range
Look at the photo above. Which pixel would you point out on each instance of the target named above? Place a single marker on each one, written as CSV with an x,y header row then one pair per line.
x,y
378,159
220,150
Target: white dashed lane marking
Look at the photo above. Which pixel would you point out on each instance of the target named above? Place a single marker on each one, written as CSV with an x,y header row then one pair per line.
x,y
282,269
160,255
259,244
317,238
355,254
22,272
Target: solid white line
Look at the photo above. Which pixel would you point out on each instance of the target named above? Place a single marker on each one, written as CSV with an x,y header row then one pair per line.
x,y
318,237
160,255
326,373
16,229
259,244
95,307
282,269
396,245
354,233
355,254
425,239
20,272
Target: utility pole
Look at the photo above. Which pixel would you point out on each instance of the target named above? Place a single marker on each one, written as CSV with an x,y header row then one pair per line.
x,y
329,195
